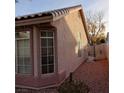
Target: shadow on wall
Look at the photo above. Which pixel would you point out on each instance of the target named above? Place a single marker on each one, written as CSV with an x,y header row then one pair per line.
x,y
68,29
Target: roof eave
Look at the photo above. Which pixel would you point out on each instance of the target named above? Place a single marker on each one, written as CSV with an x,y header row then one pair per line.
x,y
43,17
85,25
34,21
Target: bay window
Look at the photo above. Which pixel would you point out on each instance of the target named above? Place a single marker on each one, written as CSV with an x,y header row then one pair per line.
x,y
23,57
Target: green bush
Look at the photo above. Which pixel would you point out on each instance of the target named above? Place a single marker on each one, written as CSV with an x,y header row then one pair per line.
x,y
73,87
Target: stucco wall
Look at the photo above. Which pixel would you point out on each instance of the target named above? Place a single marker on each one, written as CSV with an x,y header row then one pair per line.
x,y
68,29
101,51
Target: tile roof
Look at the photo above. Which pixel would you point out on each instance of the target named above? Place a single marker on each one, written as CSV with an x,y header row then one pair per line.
x,y
54,13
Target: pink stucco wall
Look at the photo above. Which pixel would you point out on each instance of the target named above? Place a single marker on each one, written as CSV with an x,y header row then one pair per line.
x,y
68,29
67,60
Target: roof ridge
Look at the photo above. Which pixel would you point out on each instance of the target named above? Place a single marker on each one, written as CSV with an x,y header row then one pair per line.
x,y
54,12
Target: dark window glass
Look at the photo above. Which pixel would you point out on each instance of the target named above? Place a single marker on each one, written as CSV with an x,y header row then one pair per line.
x,y
20,60
50,42
51,68
50,34
22,34
27,61
44,60
44,51
20,69
43,34
50,51
44,42
16,35
26,43
50,59
28,69
44,69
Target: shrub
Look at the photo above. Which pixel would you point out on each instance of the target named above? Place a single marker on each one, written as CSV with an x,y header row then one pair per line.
x,y
73,87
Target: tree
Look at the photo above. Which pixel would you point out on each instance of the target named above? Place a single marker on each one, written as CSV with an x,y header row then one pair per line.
x,y
101,38
96,26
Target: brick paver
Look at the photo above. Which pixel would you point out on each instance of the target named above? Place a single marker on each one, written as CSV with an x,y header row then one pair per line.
x,y
95,74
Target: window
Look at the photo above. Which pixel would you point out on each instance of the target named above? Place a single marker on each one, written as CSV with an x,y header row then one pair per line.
x,y
23,62
47,52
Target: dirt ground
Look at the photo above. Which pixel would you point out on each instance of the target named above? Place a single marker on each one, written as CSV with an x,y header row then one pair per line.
x,y
95,75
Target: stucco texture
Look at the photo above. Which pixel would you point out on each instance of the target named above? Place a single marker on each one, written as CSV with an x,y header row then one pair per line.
x,y
69,30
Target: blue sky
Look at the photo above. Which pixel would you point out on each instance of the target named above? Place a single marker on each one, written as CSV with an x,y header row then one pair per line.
x,y
25,7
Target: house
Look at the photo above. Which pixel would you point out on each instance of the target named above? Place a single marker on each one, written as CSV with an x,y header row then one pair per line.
x,y
49,45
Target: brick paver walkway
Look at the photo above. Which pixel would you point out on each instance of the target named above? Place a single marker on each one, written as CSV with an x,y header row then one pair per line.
x,y
95,74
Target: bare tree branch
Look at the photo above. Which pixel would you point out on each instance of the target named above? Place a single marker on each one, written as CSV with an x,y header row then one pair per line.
x,y
95,25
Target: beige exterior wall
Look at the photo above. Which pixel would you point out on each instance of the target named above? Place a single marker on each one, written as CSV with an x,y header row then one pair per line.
x,y
101,51
68,35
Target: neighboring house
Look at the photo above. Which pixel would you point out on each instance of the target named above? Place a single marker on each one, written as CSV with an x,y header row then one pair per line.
x,y
49,45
